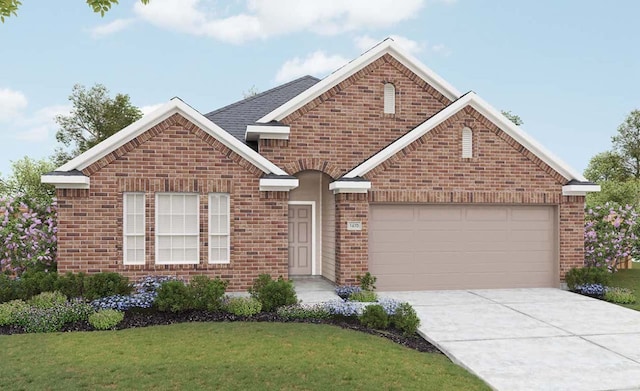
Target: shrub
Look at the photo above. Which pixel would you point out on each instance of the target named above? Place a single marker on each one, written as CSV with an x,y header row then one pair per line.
x,y
10,310
620,295
124,303
105,284
46,320
301,311
405,319
105,319
587,275
206,294
7,289
367,282
243,306
48,300
345,309
344,291
374,317
32,283
364,296
609,235
173,296
593,290
151,284
273,293
72,285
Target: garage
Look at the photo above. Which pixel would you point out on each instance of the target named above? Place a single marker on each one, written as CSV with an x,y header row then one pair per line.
x,y
416,247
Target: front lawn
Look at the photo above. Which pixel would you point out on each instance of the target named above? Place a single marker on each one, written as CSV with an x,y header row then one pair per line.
x,y
223,356
628,278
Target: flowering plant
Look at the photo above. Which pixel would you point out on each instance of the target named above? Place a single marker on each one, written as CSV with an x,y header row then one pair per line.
x,y
609,235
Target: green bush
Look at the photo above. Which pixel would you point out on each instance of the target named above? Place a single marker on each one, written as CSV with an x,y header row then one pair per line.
x,y
105,319
243,306
7,289
173,296
10,310
71,285
620,295
364,296
46,320
32,283
405,319
46,300
367,282
587,275
206,294
105,284
374,317
273,293
301,311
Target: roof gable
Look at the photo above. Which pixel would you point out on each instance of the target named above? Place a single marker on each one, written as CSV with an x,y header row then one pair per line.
x,y
388,46
174,106
474,101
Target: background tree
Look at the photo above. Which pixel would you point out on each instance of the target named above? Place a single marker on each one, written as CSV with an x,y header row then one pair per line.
x,y
94,117
627,143
253,91
513,117
10,7
24,182
606,166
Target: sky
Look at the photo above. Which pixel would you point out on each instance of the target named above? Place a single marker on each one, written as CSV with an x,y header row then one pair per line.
x,y
569,69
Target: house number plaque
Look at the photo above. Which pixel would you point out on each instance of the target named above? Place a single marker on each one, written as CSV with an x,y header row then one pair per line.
x,y
354,225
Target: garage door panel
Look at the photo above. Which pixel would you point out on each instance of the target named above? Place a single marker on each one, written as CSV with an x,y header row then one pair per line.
x,y
462,246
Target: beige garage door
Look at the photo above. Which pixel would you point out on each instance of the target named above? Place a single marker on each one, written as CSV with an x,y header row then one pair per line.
x,y
462,246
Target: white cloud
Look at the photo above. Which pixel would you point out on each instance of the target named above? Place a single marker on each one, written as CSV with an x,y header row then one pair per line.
x,y
11,104
38,126
366,42
150,108
261,19
441,49
317,63
111,27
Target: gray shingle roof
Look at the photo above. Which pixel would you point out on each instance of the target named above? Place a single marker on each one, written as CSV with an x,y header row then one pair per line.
x,y
235,117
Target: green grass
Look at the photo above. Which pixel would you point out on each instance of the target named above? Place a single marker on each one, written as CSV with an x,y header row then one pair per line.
x,y
628,278
223,356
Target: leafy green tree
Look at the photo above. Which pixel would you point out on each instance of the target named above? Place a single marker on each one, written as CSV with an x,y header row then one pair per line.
x,y
621,193
513,117
627,143
24,182
95,116
606,166
10,7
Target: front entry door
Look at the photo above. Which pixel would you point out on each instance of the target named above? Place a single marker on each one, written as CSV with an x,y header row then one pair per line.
x,y
300,239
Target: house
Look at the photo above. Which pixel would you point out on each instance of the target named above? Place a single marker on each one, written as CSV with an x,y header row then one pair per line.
x,y
382,166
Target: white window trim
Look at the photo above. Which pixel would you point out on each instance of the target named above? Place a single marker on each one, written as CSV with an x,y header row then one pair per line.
x,y
228,234
124,229
389,98
467,143
158,262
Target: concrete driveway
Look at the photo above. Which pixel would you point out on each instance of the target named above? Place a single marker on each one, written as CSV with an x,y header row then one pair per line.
x,y
533,339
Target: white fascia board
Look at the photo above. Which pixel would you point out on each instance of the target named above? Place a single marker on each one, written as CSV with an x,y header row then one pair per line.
x,y
67,182
349,186
267,132
278,184
473,100
172,107
579,190
386,46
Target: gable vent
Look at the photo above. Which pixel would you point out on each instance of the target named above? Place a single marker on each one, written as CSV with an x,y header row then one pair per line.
x,y
467,143
389,98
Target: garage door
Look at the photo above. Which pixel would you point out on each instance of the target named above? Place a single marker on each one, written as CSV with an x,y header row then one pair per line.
x,y
414,247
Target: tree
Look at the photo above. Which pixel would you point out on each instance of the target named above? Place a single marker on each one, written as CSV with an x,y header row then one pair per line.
x,y
606,166
25,183
513,117
627,143
10,7
253,91
94,117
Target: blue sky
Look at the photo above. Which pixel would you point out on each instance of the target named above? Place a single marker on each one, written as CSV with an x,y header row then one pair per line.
x,y
570,69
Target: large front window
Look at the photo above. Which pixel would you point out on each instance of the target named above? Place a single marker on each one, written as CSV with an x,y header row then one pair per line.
x,y
177,228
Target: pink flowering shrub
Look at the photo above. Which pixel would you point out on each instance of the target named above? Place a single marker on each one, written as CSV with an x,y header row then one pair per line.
x,y
27,236
610,235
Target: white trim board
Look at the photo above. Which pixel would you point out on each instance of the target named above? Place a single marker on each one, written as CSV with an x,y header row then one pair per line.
x,y
388,46
473,100
313,232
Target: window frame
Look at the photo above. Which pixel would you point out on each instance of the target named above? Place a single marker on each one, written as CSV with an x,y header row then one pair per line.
x,y
210,234
183,234
389,98
467,143
126,234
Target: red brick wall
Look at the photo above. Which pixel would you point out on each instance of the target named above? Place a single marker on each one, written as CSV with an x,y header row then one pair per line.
x,y
173,156
352,247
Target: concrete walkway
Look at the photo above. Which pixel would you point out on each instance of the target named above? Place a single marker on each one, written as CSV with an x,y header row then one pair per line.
x,y
533,339
314,290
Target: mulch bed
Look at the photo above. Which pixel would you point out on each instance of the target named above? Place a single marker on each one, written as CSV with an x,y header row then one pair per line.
x,y
134,319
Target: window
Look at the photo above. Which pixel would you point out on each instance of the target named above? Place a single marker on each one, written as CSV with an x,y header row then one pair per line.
x,y
467,143
389,98
219,228
133,229
177,228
